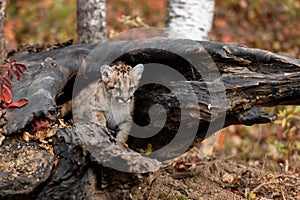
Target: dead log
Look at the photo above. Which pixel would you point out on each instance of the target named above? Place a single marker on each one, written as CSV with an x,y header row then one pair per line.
x,y
203,87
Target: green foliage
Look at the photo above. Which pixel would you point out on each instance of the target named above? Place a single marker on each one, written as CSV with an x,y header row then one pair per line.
x,y
265,24
152,13
53,21
274,146
287,128
46,21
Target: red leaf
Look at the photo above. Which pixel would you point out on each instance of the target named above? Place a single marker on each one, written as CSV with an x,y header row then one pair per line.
x,y
20,66
17,104
41,124
18,74
6,95
5,65
7,82
14,68
10,75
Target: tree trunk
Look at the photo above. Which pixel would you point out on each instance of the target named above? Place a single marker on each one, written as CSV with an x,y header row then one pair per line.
x,y
2,22
91,21
190,19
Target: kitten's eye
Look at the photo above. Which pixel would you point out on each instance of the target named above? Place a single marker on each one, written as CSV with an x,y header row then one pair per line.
x,y
131,89
117,89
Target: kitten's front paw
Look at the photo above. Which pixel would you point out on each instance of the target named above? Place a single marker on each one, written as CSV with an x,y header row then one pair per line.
x,y
122,137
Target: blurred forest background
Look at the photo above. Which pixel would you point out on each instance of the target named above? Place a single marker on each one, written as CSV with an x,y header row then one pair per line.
x,y
266,24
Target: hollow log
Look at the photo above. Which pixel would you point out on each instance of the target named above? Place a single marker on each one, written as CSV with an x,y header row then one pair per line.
x,y
203,87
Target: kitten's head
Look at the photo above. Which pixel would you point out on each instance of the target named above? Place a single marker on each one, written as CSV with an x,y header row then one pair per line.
x,y
121,81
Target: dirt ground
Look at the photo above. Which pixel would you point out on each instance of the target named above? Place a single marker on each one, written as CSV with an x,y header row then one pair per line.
x,y
213,178
217,178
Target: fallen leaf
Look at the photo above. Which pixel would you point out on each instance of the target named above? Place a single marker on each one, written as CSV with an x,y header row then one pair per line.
x,y
27,136
41,124
6,95
17,104
40,136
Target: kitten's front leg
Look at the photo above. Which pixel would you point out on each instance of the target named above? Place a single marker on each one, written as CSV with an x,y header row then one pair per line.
x,y
100,119
122,135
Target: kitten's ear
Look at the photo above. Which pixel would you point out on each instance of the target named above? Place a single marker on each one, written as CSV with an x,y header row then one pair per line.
x,y
137,71
106,72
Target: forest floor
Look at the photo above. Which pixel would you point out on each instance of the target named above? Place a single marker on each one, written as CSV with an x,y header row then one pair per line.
x,y
218,178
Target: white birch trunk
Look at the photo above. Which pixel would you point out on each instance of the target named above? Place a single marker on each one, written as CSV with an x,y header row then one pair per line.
x,y
190,19
91,21
2,23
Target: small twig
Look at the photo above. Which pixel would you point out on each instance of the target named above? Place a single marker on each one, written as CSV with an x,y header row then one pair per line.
x,y
182,191
272,181
282,193
151,186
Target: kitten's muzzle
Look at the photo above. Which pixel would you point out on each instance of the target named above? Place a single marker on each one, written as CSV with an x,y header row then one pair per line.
x,y
123,100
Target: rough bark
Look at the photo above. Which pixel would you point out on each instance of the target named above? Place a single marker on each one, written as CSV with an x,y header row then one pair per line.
x,y
190,19
251,79
91,21
2,22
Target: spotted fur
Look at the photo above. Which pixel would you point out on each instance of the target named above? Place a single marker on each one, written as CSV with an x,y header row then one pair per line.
x,y
109,102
